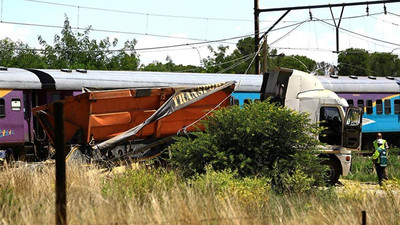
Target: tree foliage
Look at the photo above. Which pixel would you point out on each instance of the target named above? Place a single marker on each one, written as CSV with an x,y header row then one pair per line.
x,y
241,57
170,66
361,63
354,62
258,139
17,54
79,51
70,50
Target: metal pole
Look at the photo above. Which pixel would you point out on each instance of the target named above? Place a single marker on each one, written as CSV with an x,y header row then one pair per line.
x,y
364,217
256,37
265,56
61,194
337,25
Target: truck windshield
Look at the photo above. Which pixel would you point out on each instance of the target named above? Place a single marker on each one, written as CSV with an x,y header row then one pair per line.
x,y
330,119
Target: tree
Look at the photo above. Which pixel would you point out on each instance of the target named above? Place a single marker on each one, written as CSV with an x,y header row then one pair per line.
x,y
170,66
354,61
18,54
259,139
297,62
383,64
324,68
79,51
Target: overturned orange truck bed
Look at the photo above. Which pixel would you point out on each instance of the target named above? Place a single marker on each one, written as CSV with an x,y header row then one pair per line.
x,y
100,115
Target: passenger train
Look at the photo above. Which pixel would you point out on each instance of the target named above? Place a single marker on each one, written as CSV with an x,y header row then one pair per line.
x,y
379,97
23,89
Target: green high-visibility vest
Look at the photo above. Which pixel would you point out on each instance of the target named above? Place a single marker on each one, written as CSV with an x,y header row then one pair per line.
x,y
376,144
380,155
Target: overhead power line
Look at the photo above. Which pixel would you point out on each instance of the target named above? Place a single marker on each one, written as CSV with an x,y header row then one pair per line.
x,y
362,35
167,15
139,13
198,41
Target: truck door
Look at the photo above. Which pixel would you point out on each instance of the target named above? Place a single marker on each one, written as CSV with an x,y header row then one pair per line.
x,y
330,119
352,128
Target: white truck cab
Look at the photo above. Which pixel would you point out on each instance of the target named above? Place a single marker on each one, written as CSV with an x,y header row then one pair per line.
x,y
303,92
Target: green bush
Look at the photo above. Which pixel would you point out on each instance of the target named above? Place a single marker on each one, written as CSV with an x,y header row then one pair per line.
x,y
260,139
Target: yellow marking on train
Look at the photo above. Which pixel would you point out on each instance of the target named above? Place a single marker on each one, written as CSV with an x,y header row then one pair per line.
x,y
4,92
383,99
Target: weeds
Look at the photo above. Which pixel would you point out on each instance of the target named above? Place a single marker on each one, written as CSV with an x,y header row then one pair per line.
x,y
157,196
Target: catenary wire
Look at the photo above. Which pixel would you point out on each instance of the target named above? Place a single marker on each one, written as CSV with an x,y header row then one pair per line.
x,y
135,33
173,16
362,35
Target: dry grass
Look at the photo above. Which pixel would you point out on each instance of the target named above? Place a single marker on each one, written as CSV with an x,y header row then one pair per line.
x,y
27,197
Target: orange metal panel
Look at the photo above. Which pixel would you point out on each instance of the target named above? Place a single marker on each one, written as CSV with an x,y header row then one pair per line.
x,y
110,119
105,114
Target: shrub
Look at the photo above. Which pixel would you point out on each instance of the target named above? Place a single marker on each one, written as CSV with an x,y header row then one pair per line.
x,y
260,139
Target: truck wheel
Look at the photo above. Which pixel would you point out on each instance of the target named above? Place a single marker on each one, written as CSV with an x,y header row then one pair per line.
x,y
333,172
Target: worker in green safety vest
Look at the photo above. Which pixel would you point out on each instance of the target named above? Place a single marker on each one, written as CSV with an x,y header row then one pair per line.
x,y
380,160
375,144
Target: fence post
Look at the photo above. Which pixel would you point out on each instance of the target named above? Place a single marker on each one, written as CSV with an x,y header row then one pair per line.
x,y
364,217
61,194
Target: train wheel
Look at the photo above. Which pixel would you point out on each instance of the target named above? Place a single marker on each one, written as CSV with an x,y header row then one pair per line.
x,y
333,171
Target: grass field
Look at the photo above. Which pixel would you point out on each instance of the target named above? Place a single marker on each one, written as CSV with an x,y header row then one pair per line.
x,y
157,196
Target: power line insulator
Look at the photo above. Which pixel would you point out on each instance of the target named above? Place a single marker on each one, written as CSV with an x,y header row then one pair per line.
x,y
309,12
384,9
367,10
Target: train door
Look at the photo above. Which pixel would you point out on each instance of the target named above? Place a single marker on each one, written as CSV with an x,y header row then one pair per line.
x,y
12,130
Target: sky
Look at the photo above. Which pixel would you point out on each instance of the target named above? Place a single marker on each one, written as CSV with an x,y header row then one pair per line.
x,y
192,24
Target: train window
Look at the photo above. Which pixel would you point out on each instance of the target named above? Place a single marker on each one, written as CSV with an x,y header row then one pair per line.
x,y
2,108
15,104
360,103
247,101
234,101
397,106
350,102
388,108
379,107
369,106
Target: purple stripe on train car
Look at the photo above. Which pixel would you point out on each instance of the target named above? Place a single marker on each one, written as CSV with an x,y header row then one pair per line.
x,y
364,96
12,126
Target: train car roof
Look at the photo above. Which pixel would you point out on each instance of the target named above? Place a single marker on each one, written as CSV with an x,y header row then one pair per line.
x,y
351,84
13,78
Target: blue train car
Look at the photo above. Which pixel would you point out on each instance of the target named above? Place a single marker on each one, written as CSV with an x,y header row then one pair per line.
x,y
379,97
